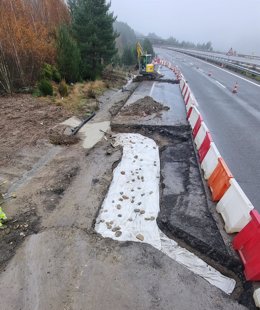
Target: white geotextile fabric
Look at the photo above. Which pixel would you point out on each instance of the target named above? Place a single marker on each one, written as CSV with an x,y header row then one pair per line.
x,y
131,206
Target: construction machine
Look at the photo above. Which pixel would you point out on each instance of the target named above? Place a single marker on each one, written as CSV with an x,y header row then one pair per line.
x,y
146,66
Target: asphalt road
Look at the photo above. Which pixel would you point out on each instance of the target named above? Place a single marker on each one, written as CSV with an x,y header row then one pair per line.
x,y
238,59
233,119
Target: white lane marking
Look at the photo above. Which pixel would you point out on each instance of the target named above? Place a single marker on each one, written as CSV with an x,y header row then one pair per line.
x,y
152,89
240,77
220,84
132,204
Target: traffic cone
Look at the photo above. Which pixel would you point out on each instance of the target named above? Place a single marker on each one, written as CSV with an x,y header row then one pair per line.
x,y
235,88
210,73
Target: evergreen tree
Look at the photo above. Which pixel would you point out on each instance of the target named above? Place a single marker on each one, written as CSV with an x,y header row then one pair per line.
x,y
93,28
147,47
68,55
128,57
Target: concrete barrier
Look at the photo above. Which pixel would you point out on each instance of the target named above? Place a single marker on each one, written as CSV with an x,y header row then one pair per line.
x,y
235,208
210,162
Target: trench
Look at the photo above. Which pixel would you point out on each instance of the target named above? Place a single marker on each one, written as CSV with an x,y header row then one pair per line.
x,y
184,213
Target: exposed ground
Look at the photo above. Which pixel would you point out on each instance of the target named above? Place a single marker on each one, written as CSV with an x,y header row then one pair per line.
x,y
143,107
24,122
49,247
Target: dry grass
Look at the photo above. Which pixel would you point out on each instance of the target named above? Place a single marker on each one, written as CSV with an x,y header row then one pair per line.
x,y
82,97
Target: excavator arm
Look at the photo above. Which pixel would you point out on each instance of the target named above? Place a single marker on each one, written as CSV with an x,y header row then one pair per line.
x,y
139,50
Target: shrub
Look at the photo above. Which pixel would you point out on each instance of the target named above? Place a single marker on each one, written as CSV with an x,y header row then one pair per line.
x,y
46,72
45,87
56,75
36,92
63,89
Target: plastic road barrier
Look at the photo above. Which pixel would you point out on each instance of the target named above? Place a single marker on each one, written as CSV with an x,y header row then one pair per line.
x,y
201,135
187,96
194,116
182,85
219,181
210,162
247,244
204,148
197,126
235,208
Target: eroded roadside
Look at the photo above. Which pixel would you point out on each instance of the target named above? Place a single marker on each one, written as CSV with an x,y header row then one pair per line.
x,y
62,263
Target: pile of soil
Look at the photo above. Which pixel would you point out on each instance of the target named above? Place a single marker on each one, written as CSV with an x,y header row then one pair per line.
x,y
24,120
143,107
60,135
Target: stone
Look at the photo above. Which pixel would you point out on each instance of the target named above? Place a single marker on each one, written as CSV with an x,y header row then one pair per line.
x,y
118,233
140,237
136,210
116,228
142,212
119,207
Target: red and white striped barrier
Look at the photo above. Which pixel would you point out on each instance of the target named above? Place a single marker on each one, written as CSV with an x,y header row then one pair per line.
x,y
210,162
201,135
194,116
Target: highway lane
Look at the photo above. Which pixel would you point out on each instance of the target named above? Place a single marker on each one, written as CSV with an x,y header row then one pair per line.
x,y
238,59
233,119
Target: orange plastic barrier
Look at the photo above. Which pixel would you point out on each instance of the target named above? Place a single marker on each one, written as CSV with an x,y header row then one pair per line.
x,y
219,180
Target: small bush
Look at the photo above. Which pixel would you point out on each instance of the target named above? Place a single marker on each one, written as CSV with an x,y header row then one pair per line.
x,y
63,89
56,75
45,87
36,92
46,72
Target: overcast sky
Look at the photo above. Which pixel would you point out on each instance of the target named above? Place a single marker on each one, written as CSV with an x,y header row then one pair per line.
x,y
227,23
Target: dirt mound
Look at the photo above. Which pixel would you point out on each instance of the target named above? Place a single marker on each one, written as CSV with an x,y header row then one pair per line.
x,y
143,107
59,135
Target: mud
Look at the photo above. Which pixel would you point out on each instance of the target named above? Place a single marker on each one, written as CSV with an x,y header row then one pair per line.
x,y
14,233
143,107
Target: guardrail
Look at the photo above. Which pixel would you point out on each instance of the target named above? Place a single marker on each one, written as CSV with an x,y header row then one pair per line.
x,y
220,61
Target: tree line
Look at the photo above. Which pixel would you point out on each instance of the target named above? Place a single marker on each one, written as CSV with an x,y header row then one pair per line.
x,y
43,40
126,45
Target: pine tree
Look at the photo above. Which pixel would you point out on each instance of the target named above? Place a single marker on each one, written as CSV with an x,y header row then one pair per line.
x,y
68,55
93,27
129,56
147,47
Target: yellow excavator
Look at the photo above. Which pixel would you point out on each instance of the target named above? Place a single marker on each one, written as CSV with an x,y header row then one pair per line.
x,y
146,66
